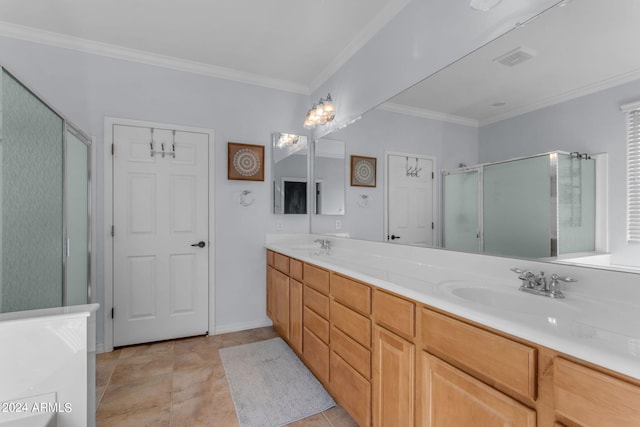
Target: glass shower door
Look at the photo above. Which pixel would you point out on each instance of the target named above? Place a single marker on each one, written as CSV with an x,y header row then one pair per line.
x,y
517,208
31,201
76,218
460,211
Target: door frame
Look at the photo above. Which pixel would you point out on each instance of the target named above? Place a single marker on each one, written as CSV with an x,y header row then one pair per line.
x,y
434,196
109,123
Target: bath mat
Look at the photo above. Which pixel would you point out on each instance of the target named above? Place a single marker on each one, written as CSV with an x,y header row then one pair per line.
x,y
270,386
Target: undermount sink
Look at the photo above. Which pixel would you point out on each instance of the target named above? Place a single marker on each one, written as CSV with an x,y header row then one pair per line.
x,y
506,299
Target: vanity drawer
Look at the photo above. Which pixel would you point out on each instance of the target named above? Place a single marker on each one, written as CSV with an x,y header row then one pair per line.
x,y
295,269
281,262
352,391
316,324
352,352
316,301
351,323
497,360
316,355
591,398
351,293
316,277
270,256
395,313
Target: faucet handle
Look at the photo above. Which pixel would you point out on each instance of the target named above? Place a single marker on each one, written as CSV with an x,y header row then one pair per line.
x,y
567,279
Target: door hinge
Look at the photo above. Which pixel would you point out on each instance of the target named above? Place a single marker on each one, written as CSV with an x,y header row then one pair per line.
x,y
113,149
113,312
433,175
113,230
433,226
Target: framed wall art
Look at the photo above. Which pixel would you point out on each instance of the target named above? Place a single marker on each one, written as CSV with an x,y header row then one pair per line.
x,y
363,171
245,162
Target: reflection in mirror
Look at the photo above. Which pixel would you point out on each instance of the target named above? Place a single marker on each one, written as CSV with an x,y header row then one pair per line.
x,y
565,97
289,173
329,176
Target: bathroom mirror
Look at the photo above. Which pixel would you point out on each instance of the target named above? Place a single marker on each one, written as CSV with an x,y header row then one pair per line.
x,y
289,173
567,73
329,177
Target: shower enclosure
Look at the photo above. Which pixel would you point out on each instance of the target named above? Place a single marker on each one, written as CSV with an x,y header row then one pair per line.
x,y
44,204
535,207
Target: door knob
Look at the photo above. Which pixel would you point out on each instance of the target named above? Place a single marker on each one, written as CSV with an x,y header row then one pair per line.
x,y
394,237
200,244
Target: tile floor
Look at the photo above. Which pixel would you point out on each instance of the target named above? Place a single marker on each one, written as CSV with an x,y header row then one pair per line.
x,y
179,383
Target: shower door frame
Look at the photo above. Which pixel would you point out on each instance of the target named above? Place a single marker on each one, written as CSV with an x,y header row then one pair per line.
x,y
67,125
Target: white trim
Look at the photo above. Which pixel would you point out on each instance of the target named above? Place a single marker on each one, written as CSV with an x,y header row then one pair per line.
x,y
385,212
427,114
577,93
236,327
109,122
631,106
118,52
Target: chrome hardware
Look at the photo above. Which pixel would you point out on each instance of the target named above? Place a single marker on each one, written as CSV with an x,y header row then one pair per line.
x,y
538,284
325,244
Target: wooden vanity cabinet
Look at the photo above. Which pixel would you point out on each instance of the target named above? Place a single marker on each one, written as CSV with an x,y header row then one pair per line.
x,y
350,356
390,361
315,321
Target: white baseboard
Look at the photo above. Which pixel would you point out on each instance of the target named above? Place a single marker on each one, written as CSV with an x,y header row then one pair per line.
x,y
100,348
235,327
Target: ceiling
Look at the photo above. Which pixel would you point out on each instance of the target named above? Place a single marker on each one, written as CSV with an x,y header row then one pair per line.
x,y
289,44
579,48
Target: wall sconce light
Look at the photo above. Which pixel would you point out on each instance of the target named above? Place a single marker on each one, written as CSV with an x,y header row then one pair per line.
x,y
321,113
287,140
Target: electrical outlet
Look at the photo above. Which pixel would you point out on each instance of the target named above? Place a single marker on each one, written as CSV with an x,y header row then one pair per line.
x,y
338,224
279,225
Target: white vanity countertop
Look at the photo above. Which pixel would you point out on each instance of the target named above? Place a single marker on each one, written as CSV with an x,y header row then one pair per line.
x,y
84,310
592,324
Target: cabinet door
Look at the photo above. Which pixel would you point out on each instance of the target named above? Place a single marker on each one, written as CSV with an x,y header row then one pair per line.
x,y
590,398
295,315
270,295
281,303
393,380
450,397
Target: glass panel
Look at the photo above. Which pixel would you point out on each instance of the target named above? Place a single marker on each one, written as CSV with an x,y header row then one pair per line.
x,y
460,211
576,204
77,216
517,208
31,201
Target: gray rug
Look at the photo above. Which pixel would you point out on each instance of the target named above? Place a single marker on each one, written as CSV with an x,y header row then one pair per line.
x,y
270,386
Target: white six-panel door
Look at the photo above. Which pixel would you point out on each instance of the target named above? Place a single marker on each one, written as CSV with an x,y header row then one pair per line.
x,y
161,210
410,199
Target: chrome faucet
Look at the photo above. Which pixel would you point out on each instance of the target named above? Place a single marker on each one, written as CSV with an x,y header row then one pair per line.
x,y
325,244
538,284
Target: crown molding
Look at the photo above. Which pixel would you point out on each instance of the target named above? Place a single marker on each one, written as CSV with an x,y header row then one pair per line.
x,y
117,52
367,33
567,96
427,114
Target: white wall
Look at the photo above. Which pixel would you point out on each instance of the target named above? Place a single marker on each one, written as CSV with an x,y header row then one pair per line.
x,y
86,88
379,131
591,124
